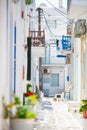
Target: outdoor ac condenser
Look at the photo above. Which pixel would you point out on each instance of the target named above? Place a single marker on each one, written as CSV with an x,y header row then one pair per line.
x,y
46,71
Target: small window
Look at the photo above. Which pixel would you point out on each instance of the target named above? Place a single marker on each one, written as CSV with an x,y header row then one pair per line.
x,y
60,3
54,80
46,79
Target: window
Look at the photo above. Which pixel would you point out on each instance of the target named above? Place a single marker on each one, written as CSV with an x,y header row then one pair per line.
x,y
52,24
60,3
46,79
54,80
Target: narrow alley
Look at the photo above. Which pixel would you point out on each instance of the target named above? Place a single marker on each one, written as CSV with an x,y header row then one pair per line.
x,y
43,64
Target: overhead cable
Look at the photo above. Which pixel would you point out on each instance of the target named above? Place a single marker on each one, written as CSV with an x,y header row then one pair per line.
x,y
59,11
48,25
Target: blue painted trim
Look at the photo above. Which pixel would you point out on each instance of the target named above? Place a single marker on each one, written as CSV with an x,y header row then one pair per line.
x,y
15,34
14,52
66,42
61,56
15,58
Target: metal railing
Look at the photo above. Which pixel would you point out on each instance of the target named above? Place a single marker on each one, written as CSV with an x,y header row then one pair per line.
x,y
37,38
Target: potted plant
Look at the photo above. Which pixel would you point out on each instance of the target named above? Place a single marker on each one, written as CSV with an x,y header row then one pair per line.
x,y
83,108
22,117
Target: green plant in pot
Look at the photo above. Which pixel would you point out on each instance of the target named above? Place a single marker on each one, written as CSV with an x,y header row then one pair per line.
x,y
15,109
22,117
83,108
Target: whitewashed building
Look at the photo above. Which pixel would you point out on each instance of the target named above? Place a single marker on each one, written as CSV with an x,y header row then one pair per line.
x,y
77,11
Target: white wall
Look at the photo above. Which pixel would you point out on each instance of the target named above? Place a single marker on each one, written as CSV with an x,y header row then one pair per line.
x,y
4,88
59,32
20,61
36,52
14,19
77,69
83,67
8,18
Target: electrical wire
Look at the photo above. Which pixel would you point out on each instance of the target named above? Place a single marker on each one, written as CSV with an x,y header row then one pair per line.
x,y
51,15
63,22
59,11
53,36
56,8
48,26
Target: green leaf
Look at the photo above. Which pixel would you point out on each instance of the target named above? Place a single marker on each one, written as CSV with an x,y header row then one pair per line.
x,y
83,105
16,100
28,86
27,2
31,114
21,111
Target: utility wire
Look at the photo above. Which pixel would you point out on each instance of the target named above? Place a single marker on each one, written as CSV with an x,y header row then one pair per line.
x,y
57,8
63,22
59,11
48,26
51,15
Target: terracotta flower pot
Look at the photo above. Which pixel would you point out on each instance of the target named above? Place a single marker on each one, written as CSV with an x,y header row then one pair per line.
x,y
85,113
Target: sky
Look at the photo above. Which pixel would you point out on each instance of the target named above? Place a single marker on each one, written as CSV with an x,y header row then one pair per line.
x,y
53,2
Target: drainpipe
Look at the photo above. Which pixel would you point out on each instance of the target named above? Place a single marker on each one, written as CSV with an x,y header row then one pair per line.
x,y
39,21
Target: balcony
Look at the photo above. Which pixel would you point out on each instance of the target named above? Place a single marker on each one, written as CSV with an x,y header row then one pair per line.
x,y
37,38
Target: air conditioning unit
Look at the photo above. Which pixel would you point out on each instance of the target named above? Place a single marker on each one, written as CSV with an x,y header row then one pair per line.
x,y
46,71
80,27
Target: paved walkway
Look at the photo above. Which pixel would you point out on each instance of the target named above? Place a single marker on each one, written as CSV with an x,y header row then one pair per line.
x,y
55,116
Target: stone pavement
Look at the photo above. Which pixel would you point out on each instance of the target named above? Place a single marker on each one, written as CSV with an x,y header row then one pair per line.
x,y
55,116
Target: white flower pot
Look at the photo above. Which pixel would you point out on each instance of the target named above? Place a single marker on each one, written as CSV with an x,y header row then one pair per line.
x,y
22,124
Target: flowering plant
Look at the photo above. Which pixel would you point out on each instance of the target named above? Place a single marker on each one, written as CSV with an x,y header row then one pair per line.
x,y
30,97
16,109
